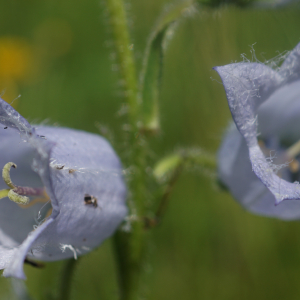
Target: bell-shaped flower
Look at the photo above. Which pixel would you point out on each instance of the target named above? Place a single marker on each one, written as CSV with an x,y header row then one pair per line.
x,y
259,159
68,188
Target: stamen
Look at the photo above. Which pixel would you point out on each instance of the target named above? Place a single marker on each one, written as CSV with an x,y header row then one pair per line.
x,y
18,193
4,193
294,150
13,196
6,174
289,155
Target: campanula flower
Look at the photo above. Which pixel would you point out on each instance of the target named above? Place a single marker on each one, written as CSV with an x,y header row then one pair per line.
x,y
259,159
62,192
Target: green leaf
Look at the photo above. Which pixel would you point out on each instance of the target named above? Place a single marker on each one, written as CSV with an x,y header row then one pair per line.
x,y
153,64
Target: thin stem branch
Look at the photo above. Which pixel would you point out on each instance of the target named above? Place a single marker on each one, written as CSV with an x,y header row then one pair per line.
x,y
166,195
172,167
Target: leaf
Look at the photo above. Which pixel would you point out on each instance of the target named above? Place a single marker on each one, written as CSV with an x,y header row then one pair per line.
x,y
153,64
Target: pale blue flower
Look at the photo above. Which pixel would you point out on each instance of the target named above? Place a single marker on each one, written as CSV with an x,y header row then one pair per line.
x,y
83,181
259,160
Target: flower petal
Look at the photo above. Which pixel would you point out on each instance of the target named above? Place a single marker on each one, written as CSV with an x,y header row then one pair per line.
x,y
11,118
6,256
235,171
14,267
290,68
247,86
95,171
279,115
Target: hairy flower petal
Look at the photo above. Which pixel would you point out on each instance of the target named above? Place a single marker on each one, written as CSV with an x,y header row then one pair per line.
x,y
236,173
262,102
70,164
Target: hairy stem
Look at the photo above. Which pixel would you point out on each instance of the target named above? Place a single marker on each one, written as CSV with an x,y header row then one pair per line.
x,y
125,56
129,246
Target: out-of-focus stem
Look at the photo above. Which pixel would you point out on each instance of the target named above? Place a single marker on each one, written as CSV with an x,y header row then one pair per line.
x,y
66,279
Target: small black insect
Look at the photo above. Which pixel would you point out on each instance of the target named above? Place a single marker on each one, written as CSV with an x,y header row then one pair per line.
x,y
5,127
88,199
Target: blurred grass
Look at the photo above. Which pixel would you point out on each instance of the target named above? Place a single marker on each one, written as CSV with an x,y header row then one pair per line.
x,y
207,247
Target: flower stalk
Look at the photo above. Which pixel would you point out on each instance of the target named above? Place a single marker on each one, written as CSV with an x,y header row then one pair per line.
x,y
67,274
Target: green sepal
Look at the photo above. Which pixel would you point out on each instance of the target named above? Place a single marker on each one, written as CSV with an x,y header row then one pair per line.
x,y
152,67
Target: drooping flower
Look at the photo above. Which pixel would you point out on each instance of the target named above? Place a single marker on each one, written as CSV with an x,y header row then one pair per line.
x,y
259,159
74,182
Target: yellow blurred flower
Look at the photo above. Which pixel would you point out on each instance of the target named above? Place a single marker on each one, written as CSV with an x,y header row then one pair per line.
x,y
23,62
15,58
15,61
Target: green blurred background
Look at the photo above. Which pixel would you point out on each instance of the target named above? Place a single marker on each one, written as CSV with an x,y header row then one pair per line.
x,y
59,55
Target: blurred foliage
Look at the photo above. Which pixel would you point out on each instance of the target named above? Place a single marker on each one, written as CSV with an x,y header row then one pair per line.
x,y
216,3
58,55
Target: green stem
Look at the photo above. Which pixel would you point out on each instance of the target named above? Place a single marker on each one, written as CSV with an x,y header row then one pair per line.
x,y
161,210
66,279
125,56
171,167
129,246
